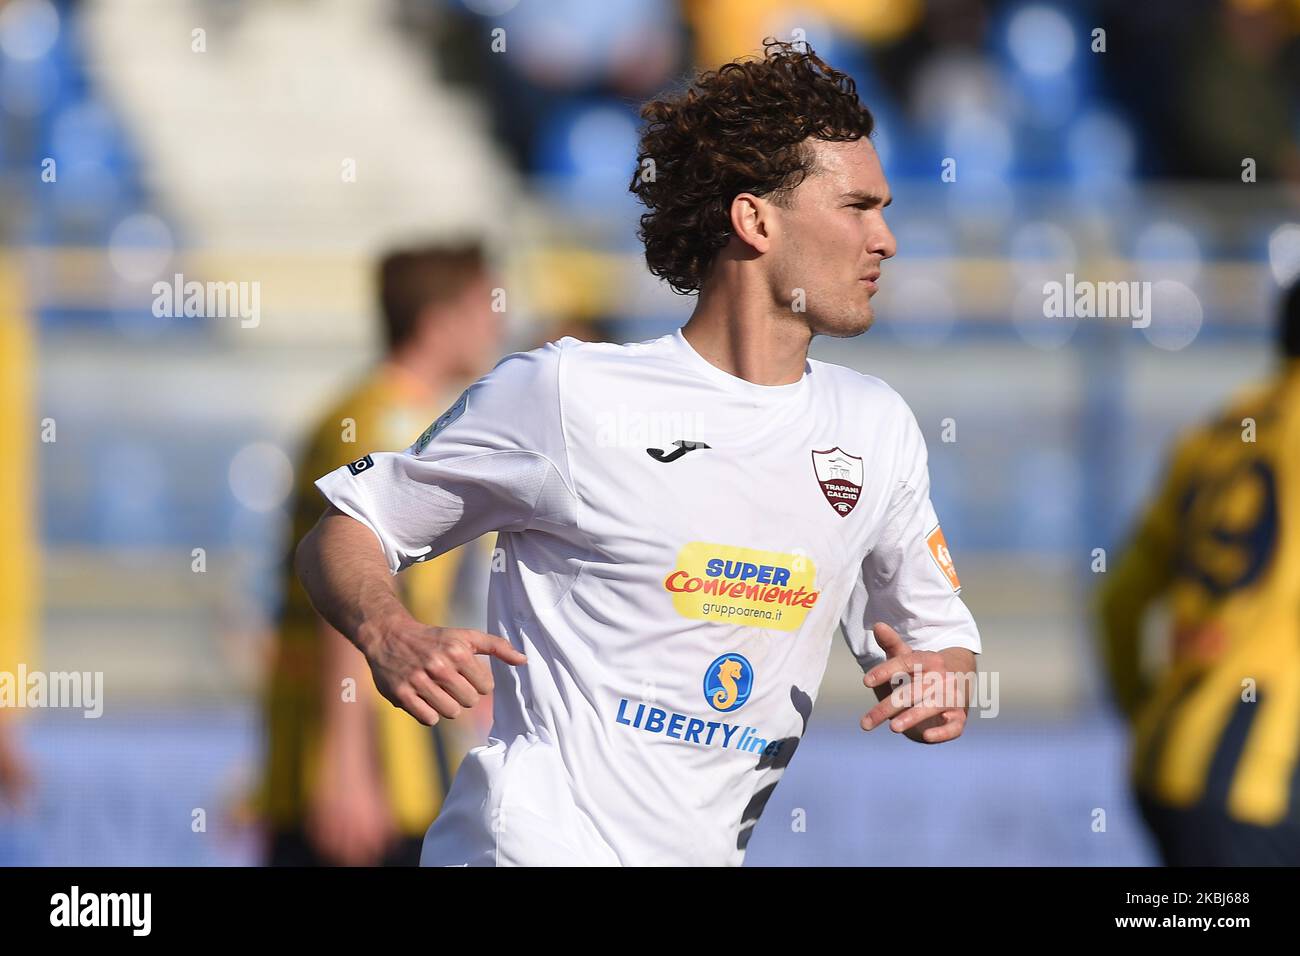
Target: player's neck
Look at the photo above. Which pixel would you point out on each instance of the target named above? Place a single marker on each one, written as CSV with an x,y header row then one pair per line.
x,y
738,334
420,377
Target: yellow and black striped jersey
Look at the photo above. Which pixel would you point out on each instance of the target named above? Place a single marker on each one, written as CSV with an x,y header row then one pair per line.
x,y
1220,725
387,411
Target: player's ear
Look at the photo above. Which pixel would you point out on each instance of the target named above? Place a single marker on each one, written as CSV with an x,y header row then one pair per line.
x,y
752,221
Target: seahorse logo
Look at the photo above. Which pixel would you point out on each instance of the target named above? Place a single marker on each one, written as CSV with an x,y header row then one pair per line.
x,y
728,674
728,682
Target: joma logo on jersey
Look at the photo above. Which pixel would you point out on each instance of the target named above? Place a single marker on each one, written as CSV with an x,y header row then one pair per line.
x,y
718,582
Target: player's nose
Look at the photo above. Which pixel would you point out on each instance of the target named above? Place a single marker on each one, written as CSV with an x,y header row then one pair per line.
x,y
882,242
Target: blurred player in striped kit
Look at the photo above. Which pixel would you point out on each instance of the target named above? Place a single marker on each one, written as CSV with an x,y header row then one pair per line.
x,y
1217,732
358,784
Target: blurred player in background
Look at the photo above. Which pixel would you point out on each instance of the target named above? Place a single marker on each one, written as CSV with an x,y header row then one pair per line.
x,y
1217,731
18,541
584,330
359,783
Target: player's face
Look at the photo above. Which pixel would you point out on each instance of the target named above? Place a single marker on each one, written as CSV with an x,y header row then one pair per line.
x,y
833,238
478,328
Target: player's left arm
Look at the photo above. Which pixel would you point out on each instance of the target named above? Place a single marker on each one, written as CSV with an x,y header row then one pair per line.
x,y
922,694
905,621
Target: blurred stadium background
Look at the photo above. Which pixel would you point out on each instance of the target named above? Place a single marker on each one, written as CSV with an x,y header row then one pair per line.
x,y
288,143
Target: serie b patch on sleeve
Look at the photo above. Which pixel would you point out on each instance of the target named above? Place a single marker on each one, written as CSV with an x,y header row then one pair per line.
x,y
942,556
443,420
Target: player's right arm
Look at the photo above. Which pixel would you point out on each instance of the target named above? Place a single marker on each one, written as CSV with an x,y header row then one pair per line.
x,y
428,671
495,462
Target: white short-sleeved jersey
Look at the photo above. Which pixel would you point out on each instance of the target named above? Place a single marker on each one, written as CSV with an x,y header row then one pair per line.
x,y
676,548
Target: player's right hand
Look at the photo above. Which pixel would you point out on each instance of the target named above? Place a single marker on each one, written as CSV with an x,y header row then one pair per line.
x,y
16,783
349,822
434,672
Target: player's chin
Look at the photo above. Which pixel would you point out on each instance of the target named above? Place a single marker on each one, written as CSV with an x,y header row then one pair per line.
x,y
849,323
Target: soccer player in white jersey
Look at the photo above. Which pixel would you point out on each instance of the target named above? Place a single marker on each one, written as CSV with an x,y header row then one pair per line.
x,y
682,522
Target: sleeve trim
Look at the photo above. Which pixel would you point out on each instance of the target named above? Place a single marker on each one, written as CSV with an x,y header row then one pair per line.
x,y
394,563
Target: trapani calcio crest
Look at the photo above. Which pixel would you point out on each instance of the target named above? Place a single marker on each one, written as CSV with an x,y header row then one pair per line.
x,y
840,476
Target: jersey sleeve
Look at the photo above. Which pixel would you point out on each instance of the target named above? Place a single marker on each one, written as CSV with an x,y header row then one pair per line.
x,y
908,579
495,461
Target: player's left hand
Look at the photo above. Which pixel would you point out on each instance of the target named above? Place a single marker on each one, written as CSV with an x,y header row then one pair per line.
x,y
938,713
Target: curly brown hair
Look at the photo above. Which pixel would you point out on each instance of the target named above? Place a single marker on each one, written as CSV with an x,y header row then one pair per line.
x,y
740,128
